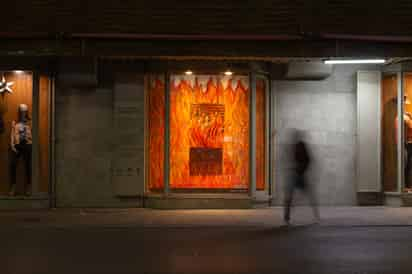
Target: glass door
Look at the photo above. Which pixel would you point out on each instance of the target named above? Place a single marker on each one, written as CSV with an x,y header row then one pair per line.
x,y
407,140
389,120
262,134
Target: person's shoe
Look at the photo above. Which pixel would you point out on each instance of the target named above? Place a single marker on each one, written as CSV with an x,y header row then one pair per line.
x,y
12,191
28,191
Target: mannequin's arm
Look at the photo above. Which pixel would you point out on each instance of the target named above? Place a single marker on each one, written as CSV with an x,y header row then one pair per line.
x,y
12,141
29,134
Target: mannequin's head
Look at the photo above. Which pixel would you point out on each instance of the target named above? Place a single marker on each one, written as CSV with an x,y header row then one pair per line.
x,y
23,113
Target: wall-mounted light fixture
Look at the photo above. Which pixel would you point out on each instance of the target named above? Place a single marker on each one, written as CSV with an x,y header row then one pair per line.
x,y
188,72
18,71
406,100
354,61
228,72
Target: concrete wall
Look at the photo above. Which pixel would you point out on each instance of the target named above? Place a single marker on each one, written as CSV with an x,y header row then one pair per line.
x,y
326,111
86,142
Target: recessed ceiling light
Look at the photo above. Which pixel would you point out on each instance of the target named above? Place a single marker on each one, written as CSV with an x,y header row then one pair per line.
x,y
18,71
228,73
188,72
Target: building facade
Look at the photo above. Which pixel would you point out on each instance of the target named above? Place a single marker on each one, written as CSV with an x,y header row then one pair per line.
x,y
103,127
130,107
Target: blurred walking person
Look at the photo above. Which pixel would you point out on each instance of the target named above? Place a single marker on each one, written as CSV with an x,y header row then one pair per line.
x,y
301,159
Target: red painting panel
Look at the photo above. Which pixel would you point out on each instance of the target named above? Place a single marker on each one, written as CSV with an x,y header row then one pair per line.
x,y
156,125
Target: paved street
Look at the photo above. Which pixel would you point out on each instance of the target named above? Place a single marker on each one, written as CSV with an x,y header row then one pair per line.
x,y
31,245
312,249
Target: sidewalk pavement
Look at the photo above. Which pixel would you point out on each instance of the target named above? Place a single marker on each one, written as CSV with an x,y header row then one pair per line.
x,y
151,218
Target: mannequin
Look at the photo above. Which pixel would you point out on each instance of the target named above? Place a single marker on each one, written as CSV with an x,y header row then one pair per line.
x,y
21,147
407,121
1,124
408,144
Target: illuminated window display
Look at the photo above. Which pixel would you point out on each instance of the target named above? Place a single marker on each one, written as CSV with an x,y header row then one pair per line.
x,y
407,83
209,132
24,134
391,137
389,132
201,123
156,113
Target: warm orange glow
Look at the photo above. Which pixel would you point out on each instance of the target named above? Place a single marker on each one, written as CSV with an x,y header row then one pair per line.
x,y
260,134
209,132
156,113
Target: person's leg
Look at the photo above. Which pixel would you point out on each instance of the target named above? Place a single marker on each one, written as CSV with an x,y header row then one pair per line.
x,y
408,166
289,191
27,160
313,201
13,169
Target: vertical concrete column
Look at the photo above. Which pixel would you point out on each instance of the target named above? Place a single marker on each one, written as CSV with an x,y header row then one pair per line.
x,y
252,136
273,140
52,171
35,133
368,128
167,135
268,130
128,146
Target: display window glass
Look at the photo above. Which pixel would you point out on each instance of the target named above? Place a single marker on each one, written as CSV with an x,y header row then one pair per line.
x,y
407,107
209,132
389,132
24,133
44,134
156,126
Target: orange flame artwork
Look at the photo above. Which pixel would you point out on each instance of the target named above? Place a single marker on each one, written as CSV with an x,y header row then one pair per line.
x,y
156,113
209,132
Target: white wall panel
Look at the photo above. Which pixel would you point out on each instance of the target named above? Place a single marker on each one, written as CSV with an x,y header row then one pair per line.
x,y
368,141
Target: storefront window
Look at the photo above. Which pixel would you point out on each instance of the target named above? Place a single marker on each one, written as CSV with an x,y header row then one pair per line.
x,y
389,132
24,137
261,153
156,138
44,134
209,132
408,132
